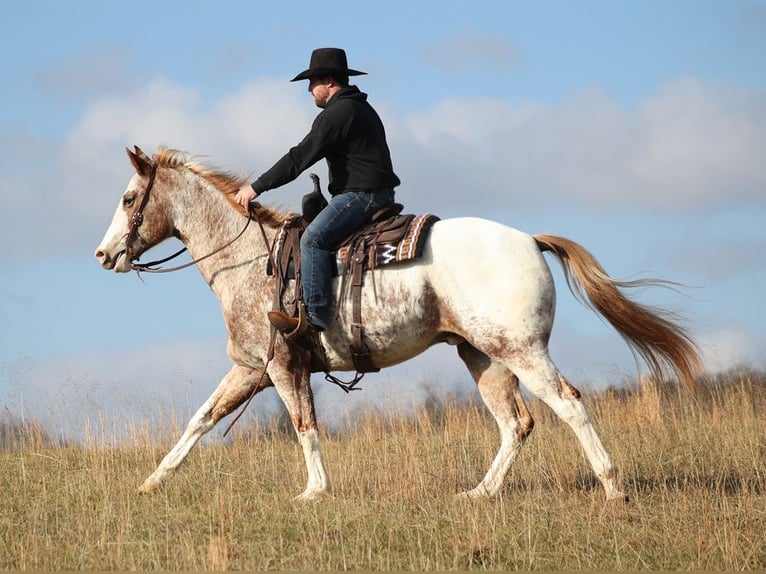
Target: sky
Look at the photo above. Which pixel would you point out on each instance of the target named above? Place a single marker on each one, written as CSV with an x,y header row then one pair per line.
x,y
636,128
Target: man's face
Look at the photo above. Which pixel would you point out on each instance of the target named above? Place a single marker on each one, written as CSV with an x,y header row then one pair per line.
x,y
320,89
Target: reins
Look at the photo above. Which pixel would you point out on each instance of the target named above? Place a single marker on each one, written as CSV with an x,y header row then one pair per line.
x,y
135,222
272,331
138,218
149,267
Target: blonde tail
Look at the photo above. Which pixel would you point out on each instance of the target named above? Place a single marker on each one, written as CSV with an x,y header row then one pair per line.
x,y
649,331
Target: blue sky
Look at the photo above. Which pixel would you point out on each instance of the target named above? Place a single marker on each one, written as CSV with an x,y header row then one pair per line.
x,y
635,128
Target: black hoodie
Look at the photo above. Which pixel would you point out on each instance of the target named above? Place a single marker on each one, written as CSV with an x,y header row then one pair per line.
x,y
350,135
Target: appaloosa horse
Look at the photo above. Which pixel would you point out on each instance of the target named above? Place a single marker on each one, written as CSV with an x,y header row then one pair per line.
x,y
479,285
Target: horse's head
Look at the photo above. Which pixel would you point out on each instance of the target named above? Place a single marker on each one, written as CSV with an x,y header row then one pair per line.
x,y
148,213
141,220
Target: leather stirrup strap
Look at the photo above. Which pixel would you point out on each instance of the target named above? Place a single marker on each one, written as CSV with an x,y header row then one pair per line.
x,y
360,352
295,237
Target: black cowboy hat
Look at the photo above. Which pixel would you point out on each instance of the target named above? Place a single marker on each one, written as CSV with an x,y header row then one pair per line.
x,y
327,61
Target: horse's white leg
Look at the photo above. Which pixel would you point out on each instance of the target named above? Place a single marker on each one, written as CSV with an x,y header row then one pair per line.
x,y
500,390
233,390
538,373
291,380
318,483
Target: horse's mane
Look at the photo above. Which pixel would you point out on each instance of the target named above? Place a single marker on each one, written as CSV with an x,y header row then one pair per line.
x,y
227,183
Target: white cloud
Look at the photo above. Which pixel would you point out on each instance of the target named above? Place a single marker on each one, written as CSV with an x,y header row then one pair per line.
x,y
123,387
115,392
690,147
89,73
729,346
703,146
718,259
468,52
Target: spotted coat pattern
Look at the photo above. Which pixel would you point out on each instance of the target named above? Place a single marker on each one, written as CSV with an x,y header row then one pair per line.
x,y
480,286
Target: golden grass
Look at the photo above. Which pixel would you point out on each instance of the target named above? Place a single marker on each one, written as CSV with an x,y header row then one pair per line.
x,y
694,467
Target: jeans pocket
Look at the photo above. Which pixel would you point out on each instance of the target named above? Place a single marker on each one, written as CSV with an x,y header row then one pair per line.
x,y
379,200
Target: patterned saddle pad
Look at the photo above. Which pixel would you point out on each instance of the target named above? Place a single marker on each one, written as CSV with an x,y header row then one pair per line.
x,y
399,238
395,239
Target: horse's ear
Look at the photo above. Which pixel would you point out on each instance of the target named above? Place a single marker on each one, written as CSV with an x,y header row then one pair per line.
x,y
140,161
140,152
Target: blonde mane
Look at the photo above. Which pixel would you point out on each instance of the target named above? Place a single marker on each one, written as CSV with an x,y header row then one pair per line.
x,y
227,183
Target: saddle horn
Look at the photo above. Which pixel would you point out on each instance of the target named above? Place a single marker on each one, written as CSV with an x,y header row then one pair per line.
x,y
313,202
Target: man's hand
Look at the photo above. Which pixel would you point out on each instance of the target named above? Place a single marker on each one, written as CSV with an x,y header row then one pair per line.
x,y
245,195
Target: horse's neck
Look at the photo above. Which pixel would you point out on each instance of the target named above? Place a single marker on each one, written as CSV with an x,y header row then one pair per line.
x,y
206,221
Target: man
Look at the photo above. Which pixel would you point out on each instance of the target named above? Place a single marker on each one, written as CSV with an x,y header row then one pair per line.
x,y
349,134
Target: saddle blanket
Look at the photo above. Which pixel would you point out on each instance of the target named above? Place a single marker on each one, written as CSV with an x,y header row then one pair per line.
x,y
390,245
399,238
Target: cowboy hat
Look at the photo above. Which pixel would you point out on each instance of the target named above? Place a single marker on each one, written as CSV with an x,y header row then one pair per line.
x,y
327,61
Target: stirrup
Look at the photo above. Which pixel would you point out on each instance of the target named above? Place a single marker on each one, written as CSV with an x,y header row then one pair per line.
x,y
307,337
303,325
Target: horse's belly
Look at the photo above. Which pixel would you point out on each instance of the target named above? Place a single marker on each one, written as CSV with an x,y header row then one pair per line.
x,y
399,317
477,280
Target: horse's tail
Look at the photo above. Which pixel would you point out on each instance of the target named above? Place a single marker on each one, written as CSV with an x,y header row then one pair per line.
x,y
651,332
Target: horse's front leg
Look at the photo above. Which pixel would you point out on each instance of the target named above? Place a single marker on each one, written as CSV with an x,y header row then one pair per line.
x,y
233,390
290,372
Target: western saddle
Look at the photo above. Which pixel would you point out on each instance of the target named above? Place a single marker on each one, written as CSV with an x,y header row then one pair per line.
x,y
388,237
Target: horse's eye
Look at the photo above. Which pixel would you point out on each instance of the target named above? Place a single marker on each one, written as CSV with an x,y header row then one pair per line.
x,y
128,201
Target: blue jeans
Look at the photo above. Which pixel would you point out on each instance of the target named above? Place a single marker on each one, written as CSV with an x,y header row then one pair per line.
x,y
346,213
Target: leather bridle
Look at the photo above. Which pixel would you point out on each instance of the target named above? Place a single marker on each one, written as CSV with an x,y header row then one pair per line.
x,y
138,218
135,222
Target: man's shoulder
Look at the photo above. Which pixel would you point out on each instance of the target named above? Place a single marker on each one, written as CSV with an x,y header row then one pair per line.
x,y
344,107
349,96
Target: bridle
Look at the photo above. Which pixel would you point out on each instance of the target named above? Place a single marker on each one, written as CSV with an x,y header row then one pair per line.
x,y
138,218
135,222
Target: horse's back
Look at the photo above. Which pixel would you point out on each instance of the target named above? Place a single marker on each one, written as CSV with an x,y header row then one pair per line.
x,y
486,247
474,275
489,271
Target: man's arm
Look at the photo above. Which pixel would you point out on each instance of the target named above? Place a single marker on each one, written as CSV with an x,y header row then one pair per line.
x,y
311,149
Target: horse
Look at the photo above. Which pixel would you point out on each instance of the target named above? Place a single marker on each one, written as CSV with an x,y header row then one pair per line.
x,y
480,286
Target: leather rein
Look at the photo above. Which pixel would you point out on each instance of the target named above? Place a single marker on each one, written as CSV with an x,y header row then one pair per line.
x,y
135,222
138,218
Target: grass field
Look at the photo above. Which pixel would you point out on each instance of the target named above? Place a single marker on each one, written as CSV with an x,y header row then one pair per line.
x,y
693,465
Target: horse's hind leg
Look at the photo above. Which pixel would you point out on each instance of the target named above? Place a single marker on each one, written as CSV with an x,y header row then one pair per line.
x,y
538,374
499,389
233,390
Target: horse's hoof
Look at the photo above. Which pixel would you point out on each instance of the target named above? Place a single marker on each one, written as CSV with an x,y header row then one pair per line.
x,y
473,494
618,498
148,487
311,495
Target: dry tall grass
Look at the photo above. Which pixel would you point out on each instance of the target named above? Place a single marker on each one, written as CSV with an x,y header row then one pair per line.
x,y
693,466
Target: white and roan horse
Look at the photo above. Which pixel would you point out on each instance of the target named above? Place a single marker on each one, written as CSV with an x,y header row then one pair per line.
x,y
481,286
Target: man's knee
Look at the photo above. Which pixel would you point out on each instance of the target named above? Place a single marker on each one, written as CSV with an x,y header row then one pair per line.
x,y
310,240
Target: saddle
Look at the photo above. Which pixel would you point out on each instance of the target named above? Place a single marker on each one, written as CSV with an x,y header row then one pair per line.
x,y
389,237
